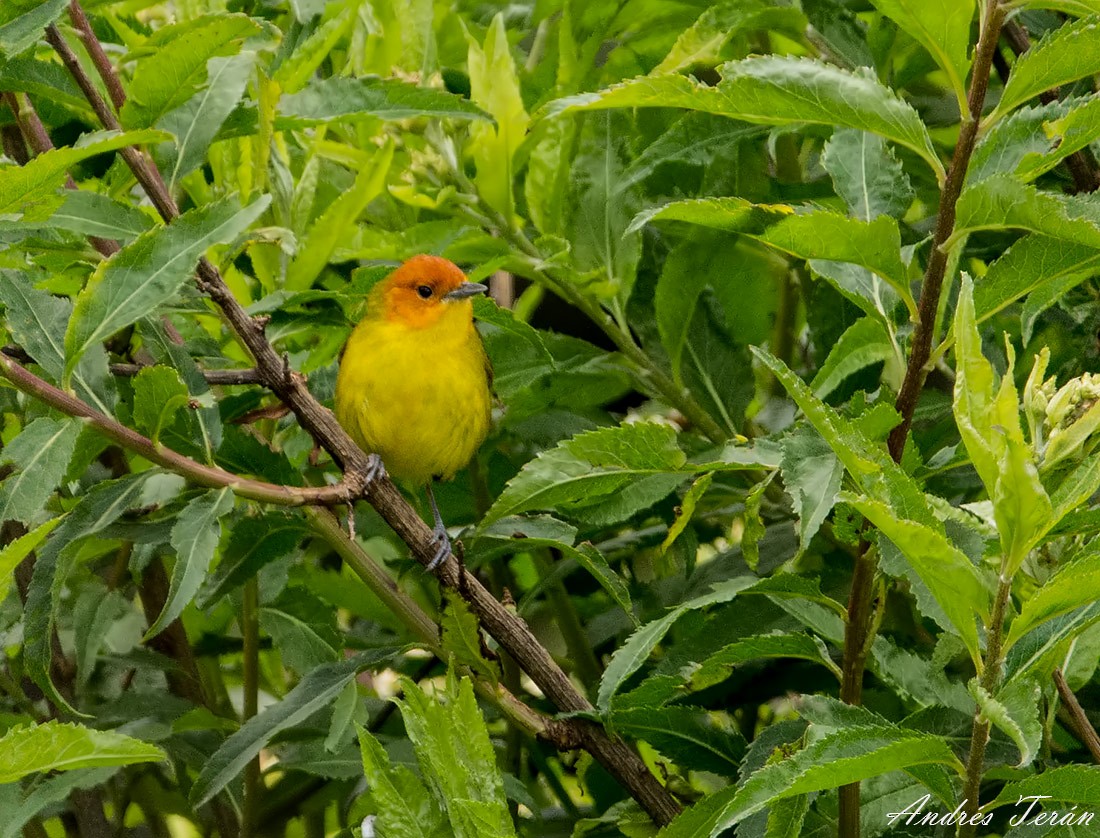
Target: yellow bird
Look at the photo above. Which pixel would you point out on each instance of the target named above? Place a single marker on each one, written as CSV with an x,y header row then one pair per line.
x,y
414,381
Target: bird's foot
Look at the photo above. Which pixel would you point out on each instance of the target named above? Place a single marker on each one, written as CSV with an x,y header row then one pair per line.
x,y
376,470
443,550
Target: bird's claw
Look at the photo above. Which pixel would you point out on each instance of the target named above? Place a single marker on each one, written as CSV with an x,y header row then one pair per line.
x,y
443,550
376,470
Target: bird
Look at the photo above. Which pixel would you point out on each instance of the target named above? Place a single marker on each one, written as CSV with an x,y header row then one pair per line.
x,y
414,384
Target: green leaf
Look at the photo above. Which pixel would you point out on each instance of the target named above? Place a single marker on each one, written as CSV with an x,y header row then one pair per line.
x,y
195,537
637,463
940,26
21,32
687,508
1015,711
93,214
343,99
37,321
300,64
1046,646
732,215
630,657
402,804
845,756
702,42
303,629
877,475
1068,53
18,549
1034,262
1001,202
196,122
863,343
54,746
776,90
315,691
1078,784
462,640
717,668
1067,590
866,174
159,398
456,757
99,508
494,87
949,575
687,270
174,64
253,543
29,191
41,452
150,272
694,738
338,222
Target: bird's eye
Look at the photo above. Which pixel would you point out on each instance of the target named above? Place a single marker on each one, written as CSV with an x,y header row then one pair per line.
x,y
424,291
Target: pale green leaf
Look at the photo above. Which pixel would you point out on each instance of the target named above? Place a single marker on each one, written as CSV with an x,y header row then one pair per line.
x,y
1015,711
686,508
18,549
55,746
159,398
462,640
1078,784
1001,202
1073,586
340,98
702,42
866,174
940,26
863,343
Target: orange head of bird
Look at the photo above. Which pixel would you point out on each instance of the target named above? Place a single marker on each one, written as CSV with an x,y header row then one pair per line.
x,y
425,289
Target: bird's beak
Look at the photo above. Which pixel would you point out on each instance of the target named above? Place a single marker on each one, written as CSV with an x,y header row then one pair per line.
x,y
466,289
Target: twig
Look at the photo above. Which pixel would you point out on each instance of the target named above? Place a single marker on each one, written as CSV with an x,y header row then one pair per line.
x,y
856,636
1085,731
622,761
215,377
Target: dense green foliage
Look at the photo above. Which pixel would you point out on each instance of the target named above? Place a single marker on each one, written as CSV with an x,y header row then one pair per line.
x,y
716,232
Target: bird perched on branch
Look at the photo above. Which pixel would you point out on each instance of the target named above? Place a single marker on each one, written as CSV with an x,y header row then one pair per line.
x,y
414,381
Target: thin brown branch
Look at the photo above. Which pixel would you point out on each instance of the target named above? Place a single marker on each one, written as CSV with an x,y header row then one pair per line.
x,y
198,473
360,470
1084,729
213,377
95,51
1081,164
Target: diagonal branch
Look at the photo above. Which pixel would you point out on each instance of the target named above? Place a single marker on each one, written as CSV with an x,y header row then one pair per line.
x,y
620,759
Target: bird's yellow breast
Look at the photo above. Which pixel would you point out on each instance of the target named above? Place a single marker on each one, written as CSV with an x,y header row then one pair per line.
x,y
418,396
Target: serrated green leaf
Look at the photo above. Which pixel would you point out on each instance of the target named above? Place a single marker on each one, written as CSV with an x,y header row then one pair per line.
x,y
21,32
1068,53
494,87
150,272
404,807
639,463
877,475
1071,587
41,453
54,746
940,26
776,90
945,570
303,629
1015,711
18,549
863,343
314,691
194,538
1078,784
336,223
253,543
629,657
1046,646
692,737
456,757
462,641
300,64
30,191
687,270
843,757
93,214
175,64
1001,201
